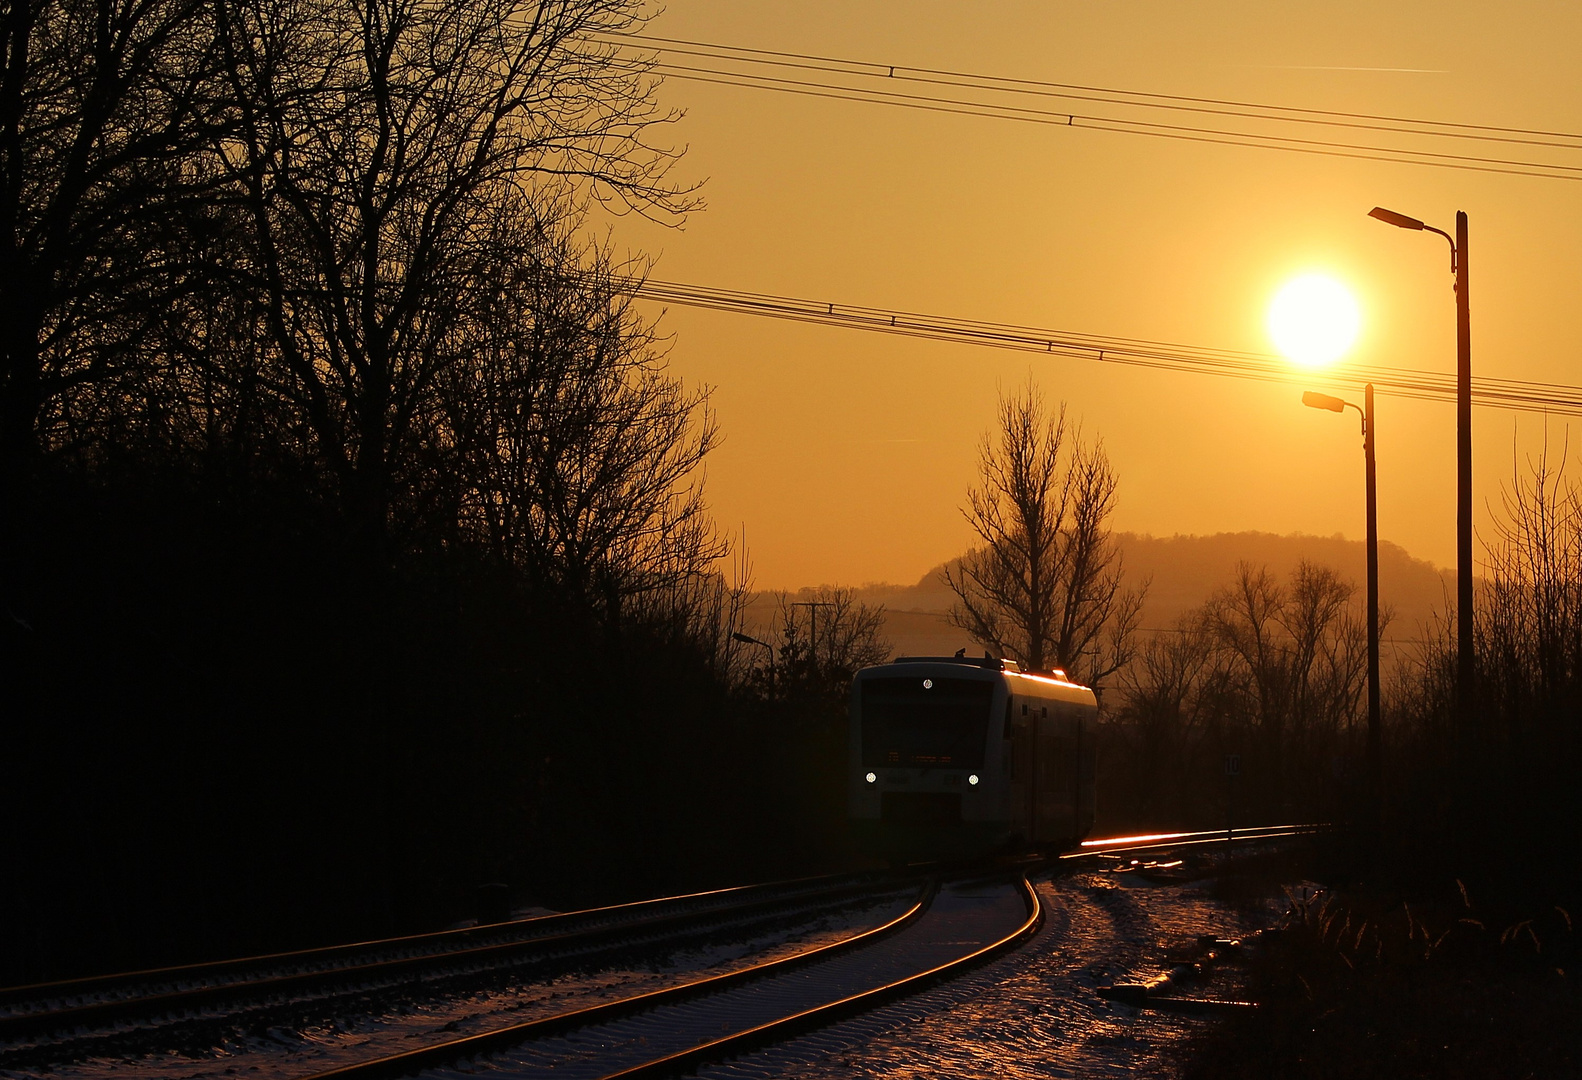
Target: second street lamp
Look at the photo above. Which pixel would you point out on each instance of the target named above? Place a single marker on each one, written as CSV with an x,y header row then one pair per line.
x,y
1335,404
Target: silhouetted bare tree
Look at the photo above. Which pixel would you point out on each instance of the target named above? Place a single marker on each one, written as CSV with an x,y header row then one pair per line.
x,y
104,107
1172,703
579,456
1297,651
1528,696
378,142
336,407
1045,586
1269,670
1529,623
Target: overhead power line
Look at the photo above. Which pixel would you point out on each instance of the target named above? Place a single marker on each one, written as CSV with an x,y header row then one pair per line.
x,y
1057,89
1128,111
1515,394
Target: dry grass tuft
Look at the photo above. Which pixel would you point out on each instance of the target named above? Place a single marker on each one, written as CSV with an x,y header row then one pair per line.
x,y
1365,985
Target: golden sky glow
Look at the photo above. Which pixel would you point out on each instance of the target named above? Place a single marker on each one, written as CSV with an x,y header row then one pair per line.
x,y
847,455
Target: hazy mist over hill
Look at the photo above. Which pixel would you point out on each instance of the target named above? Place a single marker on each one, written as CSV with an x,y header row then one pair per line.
x,y
1184,571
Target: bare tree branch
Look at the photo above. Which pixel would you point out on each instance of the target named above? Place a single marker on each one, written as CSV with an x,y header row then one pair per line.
x,y
1044,586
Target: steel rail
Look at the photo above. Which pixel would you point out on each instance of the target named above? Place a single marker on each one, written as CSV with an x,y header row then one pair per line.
x,y
1156,841
790,1026
101,983
809,1019
411,1061
762,898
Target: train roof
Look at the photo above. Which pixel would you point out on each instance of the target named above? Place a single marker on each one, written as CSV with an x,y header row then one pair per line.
x,y
1053,685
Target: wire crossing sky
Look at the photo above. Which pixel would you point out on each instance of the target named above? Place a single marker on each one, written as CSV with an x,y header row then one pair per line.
x,y
846,456
860,81
1418,385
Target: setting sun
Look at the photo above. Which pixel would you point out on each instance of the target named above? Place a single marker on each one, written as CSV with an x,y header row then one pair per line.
x,y
1313,320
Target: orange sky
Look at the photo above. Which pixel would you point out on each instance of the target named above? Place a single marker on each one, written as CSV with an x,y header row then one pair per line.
x,y
847,455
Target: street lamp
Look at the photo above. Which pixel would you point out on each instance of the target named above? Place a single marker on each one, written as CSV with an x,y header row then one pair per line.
x,y
1458,267
747,640
1335,404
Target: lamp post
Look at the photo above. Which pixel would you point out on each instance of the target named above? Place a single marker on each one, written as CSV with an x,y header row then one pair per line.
x,y
1335,404
747,640
1458,267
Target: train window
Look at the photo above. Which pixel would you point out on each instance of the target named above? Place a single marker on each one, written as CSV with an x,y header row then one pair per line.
x,y
1007,734
1024,708
1046,712
947,725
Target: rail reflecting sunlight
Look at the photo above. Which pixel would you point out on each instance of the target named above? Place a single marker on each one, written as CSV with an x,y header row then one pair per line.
x,y
1142,838
1114,844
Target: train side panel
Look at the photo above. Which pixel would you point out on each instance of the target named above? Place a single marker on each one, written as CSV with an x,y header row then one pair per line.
x,y
1053,763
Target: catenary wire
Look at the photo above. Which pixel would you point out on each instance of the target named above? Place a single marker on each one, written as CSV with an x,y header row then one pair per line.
x,y
1119,125
1515,394
1247,112
1506,393
1065,119
1096,93
944,616
1154,128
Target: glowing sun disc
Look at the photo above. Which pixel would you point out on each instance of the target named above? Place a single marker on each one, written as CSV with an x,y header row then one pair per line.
x,y
1313,320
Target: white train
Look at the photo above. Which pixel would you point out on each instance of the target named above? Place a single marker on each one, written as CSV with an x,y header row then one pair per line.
x,y
953,756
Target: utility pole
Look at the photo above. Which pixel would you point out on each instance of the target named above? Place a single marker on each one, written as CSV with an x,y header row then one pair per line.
x,y
1465,674
812,633
1375,765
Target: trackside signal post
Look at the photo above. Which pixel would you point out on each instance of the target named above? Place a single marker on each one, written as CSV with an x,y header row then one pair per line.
x,y
1232,771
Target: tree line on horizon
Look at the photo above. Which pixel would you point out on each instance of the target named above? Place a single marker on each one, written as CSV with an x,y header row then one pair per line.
x,y
1272,671
1275,672
337,253
338,474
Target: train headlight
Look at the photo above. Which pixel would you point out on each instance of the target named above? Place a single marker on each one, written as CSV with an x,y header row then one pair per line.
x,y
973,779
871,778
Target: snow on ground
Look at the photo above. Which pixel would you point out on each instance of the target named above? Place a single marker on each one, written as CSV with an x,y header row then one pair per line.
x,y
1031,1013
1034,1013
287,1052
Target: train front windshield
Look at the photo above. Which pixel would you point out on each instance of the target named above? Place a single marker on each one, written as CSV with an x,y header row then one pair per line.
x,y
925,722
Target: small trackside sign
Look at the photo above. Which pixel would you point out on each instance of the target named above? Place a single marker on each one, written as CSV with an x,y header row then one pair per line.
x,y
1232,764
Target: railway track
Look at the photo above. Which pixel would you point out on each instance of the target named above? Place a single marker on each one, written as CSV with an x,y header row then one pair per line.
x,y
32,1017
665,1032
644,1031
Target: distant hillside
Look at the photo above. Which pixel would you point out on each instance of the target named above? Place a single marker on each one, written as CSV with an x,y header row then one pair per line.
x,y
1185,570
